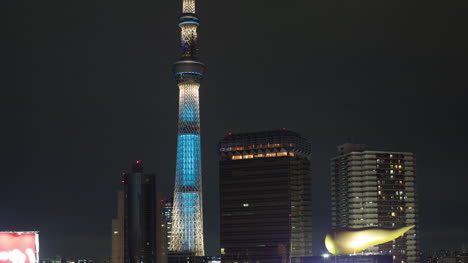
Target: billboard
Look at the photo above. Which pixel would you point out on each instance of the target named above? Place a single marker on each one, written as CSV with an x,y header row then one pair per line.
x,y
19,247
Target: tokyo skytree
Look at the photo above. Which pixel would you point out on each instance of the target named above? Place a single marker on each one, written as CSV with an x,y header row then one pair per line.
x,y
187,224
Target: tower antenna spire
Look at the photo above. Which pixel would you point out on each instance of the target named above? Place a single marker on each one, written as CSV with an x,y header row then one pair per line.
x,y
187,225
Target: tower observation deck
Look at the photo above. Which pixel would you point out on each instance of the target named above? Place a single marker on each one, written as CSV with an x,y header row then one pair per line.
x,y
187,224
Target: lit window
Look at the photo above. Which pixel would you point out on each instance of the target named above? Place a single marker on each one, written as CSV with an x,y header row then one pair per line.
x,y
271,155
393,214
292,154
248,156
260,155
282,154
237,157
246,205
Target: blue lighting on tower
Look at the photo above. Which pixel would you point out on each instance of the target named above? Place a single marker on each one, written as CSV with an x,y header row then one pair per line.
x,y
188,73
188,159
196,22
188,113
190,202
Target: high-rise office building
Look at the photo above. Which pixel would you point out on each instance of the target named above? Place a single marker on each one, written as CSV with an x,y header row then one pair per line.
x,y
162,228
118,231
187,219
167,216
140,215
376,189
265,197
137,231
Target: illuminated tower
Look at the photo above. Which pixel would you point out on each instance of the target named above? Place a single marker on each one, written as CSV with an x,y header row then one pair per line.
x,y
187,224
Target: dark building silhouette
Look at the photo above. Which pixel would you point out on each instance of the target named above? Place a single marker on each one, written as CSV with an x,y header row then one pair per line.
x,y
265,197
138,232
140,215
118,230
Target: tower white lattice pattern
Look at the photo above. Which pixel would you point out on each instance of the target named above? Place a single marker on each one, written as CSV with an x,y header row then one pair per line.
x,y
187,217
188,6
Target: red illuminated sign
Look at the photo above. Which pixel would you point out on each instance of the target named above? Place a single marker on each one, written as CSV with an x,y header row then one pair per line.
x,y
18,247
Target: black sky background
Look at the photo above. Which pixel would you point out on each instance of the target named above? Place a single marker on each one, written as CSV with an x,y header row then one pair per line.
x,y
87,88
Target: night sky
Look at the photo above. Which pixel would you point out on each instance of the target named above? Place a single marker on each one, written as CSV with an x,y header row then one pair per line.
x,y
87,88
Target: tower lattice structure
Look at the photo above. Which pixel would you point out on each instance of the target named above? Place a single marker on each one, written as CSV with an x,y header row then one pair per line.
x,y
187,224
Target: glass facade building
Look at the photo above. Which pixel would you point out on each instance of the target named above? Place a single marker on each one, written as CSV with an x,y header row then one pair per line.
x,y
265,197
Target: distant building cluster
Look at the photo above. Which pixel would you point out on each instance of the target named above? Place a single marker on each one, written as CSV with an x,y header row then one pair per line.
x,y
59,259
266,206
447,256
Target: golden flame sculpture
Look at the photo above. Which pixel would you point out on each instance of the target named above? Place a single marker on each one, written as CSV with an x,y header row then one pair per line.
x,y
350,241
